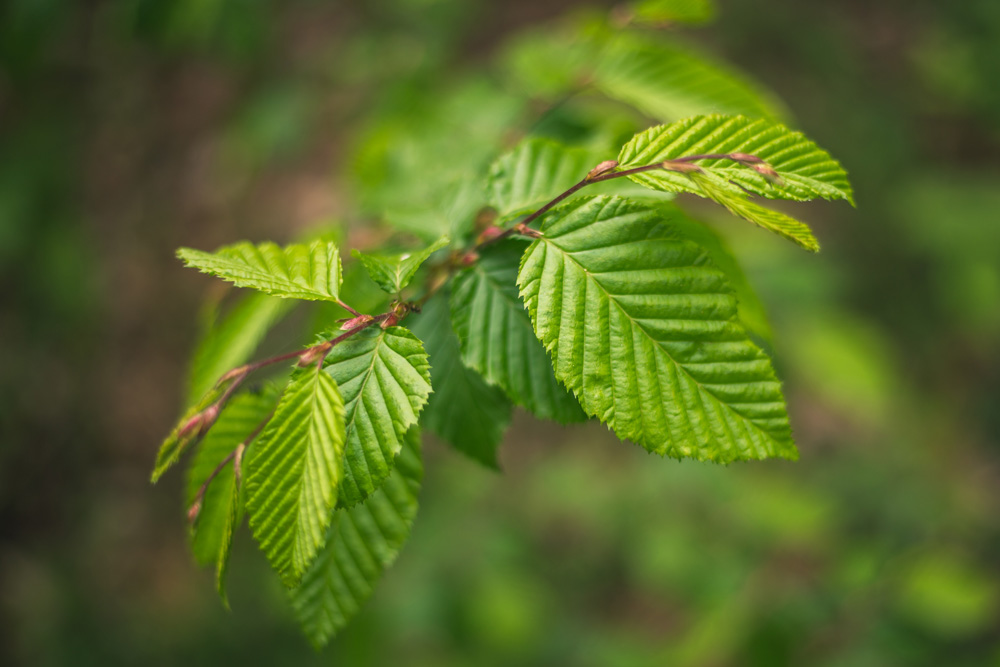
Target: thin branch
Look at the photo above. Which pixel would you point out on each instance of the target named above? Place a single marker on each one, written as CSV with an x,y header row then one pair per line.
x,y
236,455
199,498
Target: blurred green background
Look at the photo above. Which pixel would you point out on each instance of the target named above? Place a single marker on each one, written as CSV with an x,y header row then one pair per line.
x,y
129,128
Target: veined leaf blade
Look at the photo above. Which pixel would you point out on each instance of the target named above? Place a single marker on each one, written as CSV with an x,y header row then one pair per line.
x,y
804,170
293,472
385,381
497,339
361,543
643,330
311,272
464,410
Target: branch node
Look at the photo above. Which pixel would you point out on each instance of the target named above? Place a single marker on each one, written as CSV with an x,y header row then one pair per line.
x,y
601,169
525,230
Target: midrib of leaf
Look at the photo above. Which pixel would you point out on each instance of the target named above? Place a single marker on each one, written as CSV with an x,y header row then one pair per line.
x,y
361,395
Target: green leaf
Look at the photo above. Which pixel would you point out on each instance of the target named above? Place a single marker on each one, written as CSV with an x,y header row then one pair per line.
x,y
231,340
643,329
361,543
739,205
464,410
394,272
667,83
694,12
310,272
183,434
804,170
236,423
537,170
497,339
234,517
293,471
384,378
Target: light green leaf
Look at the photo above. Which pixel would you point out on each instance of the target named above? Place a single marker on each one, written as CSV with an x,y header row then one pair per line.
x,y
183,434
739,205
538,170
361,543
667,82
643,330
231,340
805,171
464,410
310,272
384,378
394,272
293,471
243,414
535,172
497,339
694,12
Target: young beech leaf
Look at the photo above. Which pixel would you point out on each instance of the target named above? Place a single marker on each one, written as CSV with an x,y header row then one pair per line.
x,y
293,471
497,339
802,170
361,542
643,329
233,519
385,381
740,205
238,420
464,410
535,172
310,272
394,272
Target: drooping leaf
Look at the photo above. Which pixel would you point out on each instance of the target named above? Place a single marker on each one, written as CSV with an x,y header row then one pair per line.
x,y
464,410
293,472
384,378
497,339
643,330
243,414
740,205
188,429
667,82
230,340
310,272
234,517
361,543
804,170
394,272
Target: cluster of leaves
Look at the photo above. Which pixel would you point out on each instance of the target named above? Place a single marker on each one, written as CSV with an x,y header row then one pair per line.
x,y
616,306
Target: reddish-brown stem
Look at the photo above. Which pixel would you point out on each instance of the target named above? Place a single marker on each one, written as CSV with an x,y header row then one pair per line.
x,y
236,455
348,308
